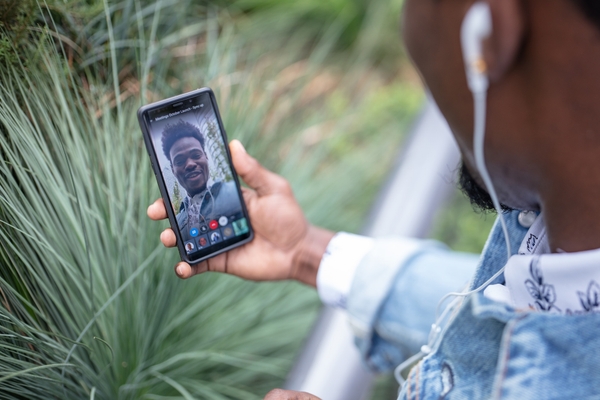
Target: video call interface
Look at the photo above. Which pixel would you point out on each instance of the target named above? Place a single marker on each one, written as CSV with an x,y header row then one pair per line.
x,y
191,153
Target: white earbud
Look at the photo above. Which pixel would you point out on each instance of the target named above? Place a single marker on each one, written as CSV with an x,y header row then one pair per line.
x,y
476,27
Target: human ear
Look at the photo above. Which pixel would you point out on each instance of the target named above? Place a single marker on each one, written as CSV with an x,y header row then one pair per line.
x,y
501,48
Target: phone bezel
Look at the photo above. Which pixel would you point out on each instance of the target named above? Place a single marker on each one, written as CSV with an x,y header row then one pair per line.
x,y
143,121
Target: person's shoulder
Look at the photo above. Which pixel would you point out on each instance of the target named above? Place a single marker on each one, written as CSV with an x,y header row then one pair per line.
x,y
230,185
221,186
216,186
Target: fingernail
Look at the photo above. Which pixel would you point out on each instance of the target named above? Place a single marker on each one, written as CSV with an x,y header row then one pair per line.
x,y
179,271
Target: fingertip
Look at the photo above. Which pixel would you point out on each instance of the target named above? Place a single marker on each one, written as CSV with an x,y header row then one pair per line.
x,y
167,237
183,270
237,150
240,157
237,145
151,210
156,210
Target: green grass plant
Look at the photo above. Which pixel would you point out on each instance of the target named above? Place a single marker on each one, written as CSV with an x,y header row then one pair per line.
x,y
462,227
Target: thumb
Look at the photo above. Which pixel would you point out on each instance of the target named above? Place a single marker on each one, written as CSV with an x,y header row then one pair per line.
x,y
255,175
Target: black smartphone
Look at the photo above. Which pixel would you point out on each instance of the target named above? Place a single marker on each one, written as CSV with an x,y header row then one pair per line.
x,y
190,157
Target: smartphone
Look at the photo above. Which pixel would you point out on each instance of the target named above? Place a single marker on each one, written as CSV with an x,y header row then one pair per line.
x,y
190,157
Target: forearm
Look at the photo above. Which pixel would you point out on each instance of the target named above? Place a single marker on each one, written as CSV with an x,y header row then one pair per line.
x,y
395,293
307,258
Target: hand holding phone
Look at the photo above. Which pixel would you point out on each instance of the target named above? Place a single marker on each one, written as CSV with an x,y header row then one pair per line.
x,y
285,246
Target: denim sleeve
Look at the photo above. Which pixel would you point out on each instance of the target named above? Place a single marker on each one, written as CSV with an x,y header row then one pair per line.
x,y
393,299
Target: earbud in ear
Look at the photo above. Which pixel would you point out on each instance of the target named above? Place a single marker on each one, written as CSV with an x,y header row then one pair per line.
x,y
476,27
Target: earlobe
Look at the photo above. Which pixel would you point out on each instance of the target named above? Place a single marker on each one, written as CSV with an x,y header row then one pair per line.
x,y
502,48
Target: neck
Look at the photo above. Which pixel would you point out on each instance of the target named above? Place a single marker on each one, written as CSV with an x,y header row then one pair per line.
x,y
197,192
567,170
564,94
572,211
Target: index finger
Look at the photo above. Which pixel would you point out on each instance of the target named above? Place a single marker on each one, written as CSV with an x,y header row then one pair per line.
x,y
157,210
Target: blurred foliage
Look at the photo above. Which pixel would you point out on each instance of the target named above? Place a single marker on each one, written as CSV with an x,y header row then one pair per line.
x,y
461,227
358,26
16,17
385,387
318,91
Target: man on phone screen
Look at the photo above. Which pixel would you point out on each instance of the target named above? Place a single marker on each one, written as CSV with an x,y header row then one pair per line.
x,y
184,146
533,332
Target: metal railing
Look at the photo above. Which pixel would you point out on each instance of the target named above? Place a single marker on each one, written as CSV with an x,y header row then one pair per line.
x,y
329,365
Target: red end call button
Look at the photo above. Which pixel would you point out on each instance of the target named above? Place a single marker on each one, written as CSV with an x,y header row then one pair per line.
x,y
213,224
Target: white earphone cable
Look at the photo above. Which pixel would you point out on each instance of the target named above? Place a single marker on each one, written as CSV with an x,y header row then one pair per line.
x,y
436,333
480,100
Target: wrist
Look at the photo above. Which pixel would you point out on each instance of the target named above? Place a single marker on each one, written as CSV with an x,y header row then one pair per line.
x,y
310,251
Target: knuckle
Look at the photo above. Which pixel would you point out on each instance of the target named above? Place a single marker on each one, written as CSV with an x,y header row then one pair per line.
x,y
249,195
281,184
200,268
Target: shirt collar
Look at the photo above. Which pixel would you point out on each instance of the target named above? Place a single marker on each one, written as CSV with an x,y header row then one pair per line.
x,y
560,283
197,198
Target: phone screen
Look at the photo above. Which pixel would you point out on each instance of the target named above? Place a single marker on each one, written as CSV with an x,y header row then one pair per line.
x,y
190,152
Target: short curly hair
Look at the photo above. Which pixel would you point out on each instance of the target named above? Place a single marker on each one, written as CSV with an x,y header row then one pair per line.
x,y
176,131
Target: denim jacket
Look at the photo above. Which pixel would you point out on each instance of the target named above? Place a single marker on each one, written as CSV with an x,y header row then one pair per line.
x,y
487,350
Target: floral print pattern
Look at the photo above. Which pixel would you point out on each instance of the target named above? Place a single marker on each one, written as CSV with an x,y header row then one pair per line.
x,y
590,301
543,294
